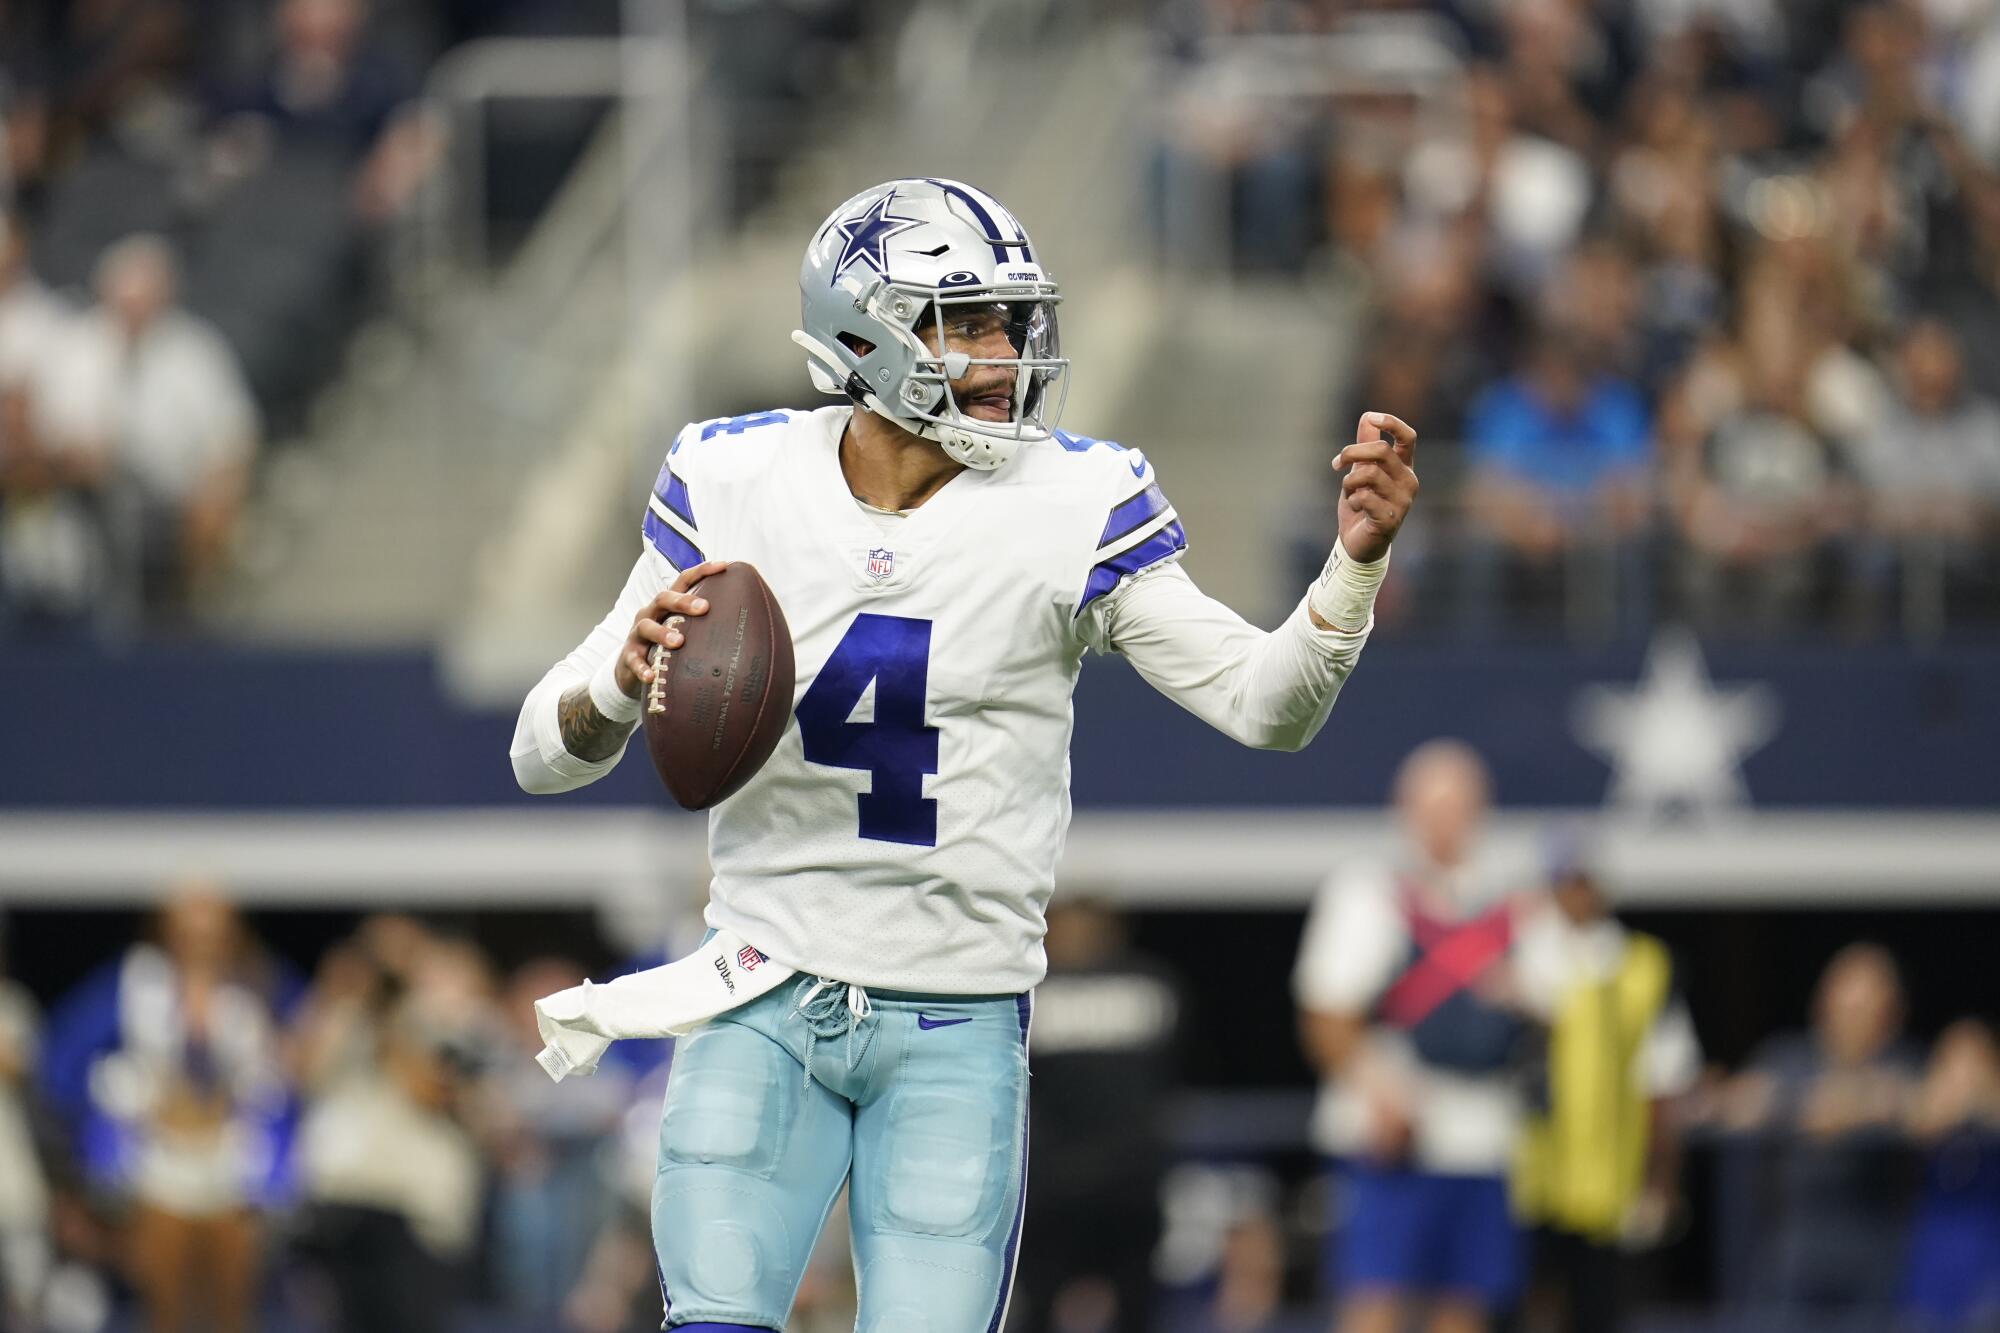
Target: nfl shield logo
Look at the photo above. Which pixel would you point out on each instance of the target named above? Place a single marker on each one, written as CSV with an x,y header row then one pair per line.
x,y
881,563
749,958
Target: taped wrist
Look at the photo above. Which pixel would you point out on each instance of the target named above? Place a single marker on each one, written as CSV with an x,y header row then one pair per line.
x,y
1344,593
607,698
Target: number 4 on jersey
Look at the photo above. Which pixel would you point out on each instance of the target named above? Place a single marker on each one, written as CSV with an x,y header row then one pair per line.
x,y
896,748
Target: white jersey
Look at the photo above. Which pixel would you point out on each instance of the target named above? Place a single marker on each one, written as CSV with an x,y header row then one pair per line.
x,y
905,832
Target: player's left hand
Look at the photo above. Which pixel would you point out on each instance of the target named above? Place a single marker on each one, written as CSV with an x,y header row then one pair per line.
x,y
1380,484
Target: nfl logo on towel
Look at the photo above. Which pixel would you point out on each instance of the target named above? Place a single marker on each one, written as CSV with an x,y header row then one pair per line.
x,y
749,958
881,563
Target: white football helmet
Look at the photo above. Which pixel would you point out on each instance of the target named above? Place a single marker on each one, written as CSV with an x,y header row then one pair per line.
x,y
894,257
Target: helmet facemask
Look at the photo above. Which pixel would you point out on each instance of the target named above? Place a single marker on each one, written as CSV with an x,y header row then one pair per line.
x,y
928,406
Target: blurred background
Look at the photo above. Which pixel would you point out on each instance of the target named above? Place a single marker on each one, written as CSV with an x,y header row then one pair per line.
x,y
339,340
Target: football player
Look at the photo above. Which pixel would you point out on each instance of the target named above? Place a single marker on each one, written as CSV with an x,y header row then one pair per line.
x,y
944,556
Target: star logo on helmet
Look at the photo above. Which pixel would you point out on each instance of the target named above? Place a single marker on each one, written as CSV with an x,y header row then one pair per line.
x,y
867,236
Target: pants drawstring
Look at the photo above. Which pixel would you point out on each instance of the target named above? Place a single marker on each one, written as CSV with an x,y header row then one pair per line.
x,y
819,1001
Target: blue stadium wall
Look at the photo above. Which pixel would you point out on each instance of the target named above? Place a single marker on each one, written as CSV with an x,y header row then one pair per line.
x,y
202,726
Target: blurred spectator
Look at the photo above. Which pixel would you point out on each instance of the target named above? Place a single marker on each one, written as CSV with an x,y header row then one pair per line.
x,y
549,1196
618,1290
24,1194
329,89
166,1067
1528,193
324,84
1662,195
24,109
1952,1282
30,314
53,560
1826,1111
1559,456
1222,1258
1103,1063
1252,159
1759,439
398,1023
1968,299
394,1021
1435,350
1407,990
1931,470
1599,1165
157,394
1731,205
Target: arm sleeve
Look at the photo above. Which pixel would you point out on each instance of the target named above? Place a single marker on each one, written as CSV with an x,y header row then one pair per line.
x,y
541,765
1269,690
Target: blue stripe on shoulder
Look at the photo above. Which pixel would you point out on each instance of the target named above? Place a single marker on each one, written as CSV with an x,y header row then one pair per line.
x,y
679,551
1105,576
675,498
1077,444
1128,516
671,491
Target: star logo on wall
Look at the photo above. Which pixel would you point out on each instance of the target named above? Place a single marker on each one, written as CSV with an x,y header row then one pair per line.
x,y
867,236
1675,740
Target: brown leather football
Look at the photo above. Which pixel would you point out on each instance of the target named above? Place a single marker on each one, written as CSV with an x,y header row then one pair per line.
x,y
720,701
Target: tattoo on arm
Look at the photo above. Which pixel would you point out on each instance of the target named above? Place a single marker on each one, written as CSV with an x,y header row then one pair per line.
x,y
587,733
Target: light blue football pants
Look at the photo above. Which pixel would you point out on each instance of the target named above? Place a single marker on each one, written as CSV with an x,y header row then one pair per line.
x,y
921,1102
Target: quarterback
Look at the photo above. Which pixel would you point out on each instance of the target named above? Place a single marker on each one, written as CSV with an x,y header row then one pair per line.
x,y
945,556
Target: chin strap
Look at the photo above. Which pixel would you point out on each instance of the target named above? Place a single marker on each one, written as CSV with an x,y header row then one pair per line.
x,y
831,375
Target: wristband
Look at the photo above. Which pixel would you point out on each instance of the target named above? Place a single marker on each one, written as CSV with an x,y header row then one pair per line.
x,y
607,698
1344,593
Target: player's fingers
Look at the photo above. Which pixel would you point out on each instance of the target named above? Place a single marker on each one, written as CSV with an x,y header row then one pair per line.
x,y
1402,434
1374,451
638,661
665,633
1398,430
694,574
1383,428
673,603
1369,475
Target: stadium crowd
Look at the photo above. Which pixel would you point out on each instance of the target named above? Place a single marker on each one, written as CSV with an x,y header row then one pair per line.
x,y
193,195
1707,295
197,1136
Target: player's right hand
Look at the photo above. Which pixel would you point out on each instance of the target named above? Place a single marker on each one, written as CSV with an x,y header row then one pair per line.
x,y
656,625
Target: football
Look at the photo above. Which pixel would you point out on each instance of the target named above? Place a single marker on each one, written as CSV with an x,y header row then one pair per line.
x,y
719,702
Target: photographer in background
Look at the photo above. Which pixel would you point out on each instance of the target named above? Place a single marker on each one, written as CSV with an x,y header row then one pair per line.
x,y
396,1020
1600,1158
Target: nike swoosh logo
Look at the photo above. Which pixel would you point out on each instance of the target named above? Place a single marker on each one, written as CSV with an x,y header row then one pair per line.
x,y
1138,466
926,1022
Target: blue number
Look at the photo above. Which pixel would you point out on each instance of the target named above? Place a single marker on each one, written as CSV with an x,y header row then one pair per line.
x,y
896,748
737,425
